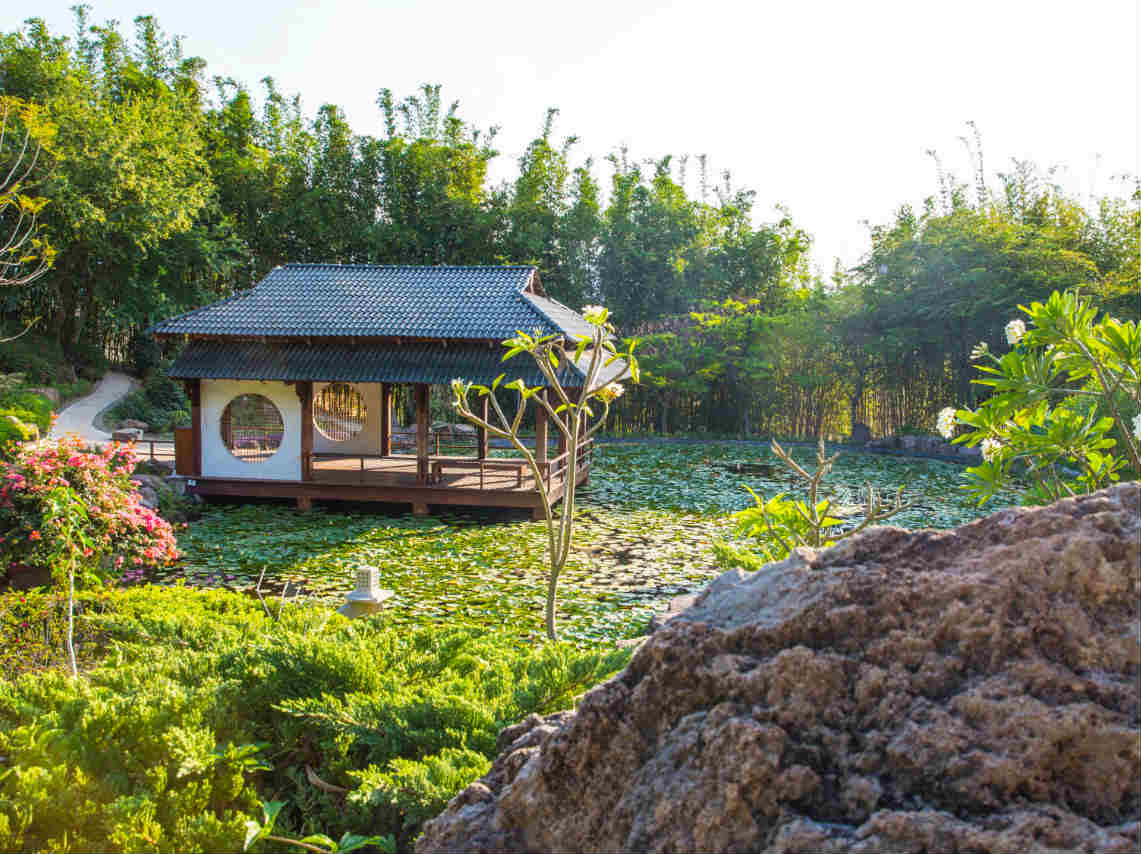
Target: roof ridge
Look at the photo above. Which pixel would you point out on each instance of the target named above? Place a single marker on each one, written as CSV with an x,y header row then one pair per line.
x,y
409,266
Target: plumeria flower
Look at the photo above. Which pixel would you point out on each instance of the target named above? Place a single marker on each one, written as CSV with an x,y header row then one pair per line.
x,y
1137,427
981,349
1014,332
611,392
945,423
990,448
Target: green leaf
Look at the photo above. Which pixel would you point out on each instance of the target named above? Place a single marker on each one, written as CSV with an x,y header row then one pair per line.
x,y
322,839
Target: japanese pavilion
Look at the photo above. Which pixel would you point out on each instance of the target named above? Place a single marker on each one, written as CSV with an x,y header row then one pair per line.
x,y
291,384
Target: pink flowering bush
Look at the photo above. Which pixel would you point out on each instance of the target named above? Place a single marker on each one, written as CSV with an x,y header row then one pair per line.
x,y
123,534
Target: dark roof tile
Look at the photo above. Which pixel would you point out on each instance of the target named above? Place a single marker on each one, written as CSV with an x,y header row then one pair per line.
x,y
318,300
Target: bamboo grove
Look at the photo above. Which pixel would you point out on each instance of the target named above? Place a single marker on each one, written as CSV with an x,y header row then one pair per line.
x,y
167,188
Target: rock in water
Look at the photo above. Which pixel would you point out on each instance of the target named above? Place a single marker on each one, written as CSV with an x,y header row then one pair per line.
x,y
911,691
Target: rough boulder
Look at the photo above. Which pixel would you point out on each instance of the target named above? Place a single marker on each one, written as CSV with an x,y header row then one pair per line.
x,y
966,690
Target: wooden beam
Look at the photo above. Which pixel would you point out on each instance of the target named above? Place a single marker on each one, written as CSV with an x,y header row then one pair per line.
x,y
305,393
422,415
386,419
481,432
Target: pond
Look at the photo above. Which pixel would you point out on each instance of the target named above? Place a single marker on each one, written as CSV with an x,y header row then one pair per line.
x,y
646,526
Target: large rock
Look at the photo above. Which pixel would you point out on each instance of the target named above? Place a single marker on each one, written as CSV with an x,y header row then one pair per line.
x,y
965,690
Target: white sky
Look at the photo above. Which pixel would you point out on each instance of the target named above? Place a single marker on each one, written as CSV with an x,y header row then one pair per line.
x,y
825,107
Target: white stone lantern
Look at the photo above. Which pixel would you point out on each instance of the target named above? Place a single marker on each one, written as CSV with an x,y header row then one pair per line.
x,y
368,596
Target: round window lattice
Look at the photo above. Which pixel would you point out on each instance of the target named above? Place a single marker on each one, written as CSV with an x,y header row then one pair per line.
x,y
252,428
339,412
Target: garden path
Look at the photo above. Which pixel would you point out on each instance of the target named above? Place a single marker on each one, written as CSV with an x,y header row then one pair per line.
x,y
79,417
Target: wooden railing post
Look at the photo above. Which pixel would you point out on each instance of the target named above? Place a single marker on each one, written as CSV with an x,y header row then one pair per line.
x,y
386,419
305,393
421,433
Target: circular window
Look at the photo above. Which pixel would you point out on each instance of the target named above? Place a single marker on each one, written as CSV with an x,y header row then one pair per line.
x,y
252,428
339,412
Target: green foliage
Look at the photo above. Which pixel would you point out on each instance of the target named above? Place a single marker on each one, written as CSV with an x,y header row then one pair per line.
x,y
16,425
776,526
160,403
203,706
37,408
1063,406
37,356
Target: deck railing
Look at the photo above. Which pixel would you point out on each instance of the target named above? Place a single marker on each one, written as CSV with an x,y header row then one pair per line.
x,y
493,472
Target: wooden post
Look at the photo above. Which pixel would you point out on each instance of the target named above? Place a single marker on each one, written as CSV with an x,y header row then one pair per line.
x,y
541,430
481,433
194,392
422,433
305,395
386,419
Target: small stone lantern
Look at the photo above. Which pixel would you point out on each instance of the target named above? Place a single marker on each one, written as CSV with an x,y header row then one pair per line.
x,y
368,597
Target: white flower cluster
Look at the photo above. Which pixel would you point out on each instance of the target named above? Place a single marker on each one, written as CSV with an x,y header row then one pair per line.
x,y
595,314
981,349
1014,332
990,448
1137,427
945,423
611,392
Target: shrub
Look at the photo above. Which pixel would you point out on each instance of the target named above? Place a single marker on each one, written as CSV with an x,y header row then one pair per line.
x,y
168,745
1065,415
125,531
37,406
160,403
16,425
38,357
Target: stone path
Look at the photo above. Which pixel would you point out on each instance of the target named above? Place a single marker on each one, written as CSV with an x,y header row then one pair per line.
x,y
79,417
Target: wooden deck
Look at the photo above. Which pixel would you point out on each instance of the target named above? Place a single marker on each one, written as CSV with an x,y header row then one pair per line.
x,y
447,480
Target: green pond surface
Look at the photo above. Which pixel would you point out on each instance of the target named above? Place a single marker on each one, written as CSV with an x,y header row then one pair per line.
x,y
644,534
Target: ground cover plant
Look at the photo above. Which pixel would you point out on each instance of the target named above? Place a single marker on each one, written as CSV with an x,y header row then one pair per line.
x,y
195,707
646,528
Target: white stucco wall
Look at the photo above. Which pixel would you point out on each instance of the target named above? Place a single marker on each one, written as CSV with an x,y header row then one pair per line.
x,y
217,461
367,441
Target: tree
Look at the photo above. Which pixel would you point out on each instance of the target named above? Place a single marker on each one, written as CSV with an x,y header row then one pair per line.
x,y
1066,408
574,417
125,171
25,253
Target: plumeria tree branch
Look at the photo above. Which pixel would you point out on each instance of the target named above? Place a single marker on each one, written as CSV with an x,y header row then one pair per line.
x,y
575,419
1058,397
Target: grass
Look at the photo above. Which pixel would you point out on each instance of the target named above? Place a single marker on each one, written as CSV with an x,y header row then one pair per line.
x,y
644,535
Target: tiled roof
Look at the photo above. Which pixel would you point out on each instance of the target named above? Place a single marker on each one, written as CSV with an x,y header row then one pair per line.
x,y
415,363
315,300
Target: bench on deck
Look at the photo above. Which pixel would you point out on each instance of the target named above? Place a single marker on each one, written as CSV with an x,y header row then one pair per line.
x,y
438,464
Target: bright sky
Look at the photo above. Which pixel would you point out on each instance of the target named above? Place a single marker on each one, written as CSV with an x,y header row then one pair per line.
x,y
824,106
